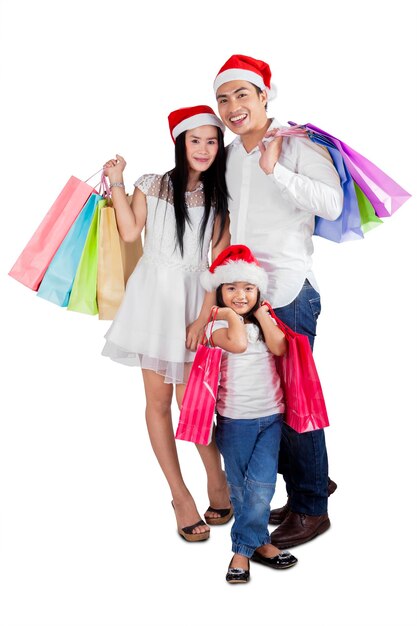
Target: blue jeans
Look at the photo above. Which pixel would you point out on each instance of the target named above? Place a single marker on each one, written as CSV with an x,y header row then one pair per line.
x,y
303,457
249,448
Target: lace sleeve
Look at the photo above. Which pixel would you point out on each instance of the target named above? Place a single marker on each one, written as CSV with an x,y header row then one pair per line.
x,y
149,184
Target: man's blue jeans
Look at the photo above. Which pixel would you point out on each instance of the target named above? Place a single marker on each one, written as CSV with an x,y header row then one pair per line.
x,y
303,457
249,448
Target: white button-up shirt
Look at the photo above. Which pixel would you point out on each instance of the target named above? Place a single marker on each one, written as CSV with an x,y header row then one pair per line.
x,y
274,214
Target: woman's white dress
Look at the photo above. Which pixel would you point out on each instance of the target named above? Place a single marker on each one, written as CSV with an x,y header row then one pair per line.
x,y
163,294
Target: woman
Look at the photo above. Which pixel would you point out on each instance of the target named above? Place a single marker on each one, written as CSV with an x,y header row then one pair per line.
x,y
164,309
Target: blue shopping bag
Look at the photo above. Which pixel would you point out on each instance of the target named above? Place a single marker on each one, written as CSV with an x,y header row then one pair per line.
x,y
57,283
347,226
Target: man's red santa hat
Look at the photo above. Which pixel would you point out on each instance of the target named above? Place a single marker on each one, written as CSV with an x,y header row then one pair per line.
x,y
192,117
241,67
235,264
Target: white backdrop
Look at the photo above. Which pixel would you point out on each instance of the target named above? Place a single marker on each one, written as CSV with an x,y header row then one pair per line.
x,y
88,536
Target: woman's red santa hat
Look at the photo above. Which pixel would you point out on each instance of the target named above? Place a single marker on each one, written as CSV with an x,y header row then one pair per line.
x,y
235,264
241,67
192,117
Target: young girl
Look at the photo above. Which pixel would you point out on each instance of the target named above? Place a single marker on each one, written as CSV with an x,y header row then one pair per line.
x,y
164,309
250,405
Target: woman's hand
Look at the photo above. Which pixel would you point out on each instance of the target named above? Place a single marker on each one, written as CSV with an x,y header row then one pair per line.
x,y
114,169
194,335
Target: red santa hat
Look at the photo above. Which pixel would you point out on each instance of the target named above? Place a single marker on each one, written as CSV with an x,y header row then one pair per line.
x,y
192,117
241,67
235,264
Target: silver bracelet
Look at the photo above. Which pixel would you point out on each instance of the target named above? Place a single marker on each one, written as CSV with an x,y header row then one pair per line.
x,y
116,185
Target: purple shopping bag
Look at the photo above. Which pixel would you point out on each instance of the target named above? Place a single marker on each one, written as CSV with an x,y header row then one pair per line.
x,y
385,195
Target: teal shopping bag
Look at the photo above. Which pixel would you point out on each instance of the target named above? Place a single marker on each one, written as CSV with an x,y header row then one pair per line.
x,y
83,297
59,277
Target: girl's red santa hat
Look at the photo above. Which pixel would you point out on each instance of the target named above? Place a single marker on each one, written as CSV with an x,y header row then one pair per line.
x,y
235,264
241,67
192,117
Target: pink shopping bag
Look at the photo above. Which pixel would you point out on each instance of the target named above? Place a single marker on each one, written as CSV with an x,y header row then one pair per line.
x,y
197,409
304,400
33,262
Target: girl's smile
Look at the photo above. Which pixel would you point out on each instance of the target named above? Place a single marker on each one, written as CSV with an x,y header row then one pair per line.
x,y
241,297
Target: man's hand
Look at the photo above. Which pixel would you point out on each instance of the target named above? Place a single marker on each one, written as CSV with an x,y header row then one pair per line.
x,y
270,152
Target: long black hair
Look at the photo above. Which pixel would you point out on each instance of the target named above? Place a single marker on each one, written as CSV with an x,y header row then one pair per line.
x,y
249,316
214,186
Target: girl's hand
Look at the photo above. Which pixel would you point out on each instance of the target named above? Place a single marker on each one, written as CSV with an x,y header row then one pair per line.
x,y
260,311
114,169
194,335
224,313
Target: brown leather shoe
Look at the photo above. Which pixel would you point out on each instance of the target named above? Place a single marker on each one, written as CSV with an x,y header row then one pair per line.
x,y
298,528
331,486
277,516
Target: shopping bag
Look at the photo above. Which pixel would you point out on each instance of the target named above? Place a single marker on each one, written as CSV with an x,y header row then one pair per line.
x,y
83,297
304,400
199,402
110,275
116,261
384,194
32,263
57,282
369,219
347,226
131,253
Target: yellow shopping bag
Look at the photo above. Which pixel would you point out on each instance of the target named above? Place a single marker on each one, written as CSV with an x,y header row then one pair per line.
x,y
116,261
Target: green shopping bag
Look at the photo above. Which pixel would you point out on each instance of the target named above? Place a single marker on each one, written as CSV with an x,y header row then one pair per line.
x,y
83,298
367,212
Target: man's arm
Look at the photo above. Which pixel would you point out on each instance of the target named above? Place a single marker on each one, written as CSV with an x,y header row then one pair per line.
x,y
315,186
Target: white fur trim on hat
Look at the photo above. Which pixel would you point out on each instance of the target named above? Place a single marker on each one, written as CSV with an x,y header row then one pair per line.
x,y
233,272
241,74
201,119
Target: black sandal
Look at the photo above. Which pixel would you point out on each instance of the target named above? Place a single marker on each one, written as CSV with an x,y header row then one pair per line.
x,y
187,532
225,516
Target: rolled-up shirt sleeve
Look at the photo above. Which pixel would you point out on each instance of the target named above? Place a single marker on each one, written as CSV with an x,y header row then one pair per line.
x,y
315,185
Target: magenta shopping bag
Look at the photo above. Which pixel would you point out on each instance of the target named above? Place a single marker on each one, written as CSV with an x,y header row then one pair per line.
x,y
304,400
199,403
33,262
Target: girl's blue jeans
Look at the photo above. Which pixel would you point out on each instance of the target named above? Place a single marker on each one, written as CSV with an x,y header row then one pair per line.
x,y
249,448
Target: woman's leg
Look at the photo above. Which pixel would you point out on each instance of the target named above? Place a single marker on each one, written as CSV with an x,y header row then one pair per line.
x,y
161,434
217,488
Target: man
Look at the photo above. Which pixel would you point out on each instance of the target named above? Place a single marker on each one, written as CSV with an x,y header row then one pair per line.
x,y
277,186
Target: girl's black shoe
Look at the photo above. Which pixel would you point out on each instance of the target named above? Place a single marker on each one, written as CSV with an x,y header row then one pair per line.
x,y
280,561
237,574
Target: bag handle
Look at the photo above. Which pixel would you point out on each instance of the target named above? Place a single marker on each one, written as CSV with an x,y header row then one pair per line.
x,y
104,189
297,130
212,318
288,332
103,186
